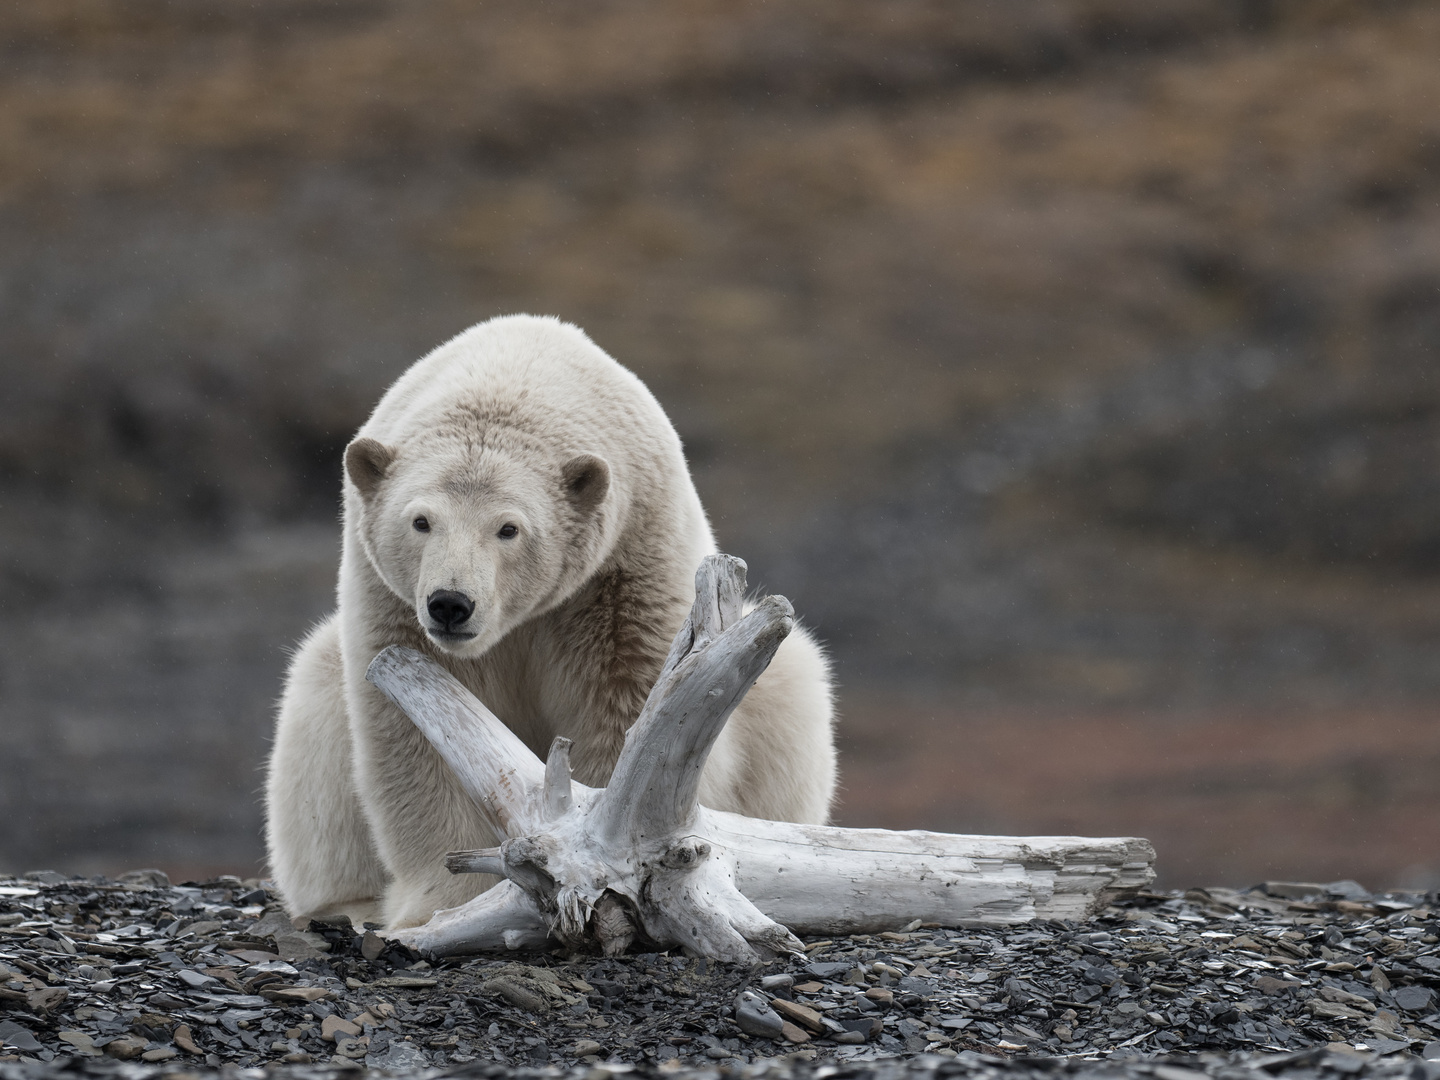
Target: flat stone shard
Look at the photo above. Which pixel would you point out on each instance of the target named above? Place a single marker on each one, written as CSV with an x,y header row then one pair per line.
x,y
46,1000
290,943
16,1036
794,1033
1414,999
1294,890
1267,984
301,994
798,1014
1347,890
352,1048
126,1048
44,877
334,1026
183,1040
82,1043
148,878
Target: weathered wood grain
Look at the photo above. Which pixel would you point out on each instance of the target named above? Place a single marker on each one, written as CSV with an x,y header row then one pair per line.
x,y
642,860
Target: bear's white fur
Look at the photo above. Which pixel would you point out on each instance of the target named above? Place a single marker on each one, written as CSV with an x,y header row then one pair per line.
x,y
520,423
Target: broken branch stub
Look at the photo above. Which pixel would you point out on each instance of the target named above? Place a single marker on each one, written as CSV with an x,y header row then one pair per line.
x,y
641,860
557,778
504,917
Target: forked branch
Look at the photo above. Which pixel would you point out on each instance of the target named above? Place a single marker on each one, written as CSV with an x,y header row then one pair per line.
x,y
642,860
717,656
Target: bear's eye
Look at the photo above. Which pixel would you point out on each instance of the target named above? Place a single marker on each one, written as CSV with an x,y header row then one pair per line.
x,y
507,531
421,524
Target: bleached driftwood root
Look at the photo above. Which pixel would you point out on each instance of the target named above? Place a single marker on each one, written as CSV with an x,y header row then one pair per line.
x,y
642,861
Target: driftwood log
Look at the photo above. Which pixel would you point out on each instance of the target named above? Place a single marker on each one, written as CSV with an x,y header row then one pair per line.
x,y
642,861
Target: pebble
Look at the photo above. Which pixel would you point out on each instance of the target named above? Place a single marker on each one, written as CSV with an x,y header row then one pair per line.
x,y
182,1039
126,1048
334,1026
794,1033
755,1016
371,945
81,1043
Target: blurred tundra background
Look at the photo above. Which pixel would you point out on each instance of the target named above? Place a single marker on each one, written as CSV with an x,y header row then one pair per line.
x,y
1073,365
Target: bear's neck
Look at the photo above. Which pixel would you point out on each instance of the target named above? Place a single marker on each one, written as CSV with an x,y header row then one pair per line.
x,y
590,663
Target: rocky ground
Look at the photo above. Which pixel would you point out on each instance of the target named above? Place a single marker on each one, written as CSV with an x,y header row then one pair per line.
x,y
141,978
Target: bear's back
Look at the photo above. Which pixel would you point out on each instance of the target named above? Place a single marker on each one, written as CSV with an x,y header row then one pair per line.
x,y
533,373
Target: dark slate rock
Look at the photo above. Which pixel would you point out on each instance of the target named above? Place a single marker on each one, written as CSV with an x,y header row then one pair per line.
x,y
1380,1045
754,1016
1414,999
1347,890
45,877
12,1034
911,985
869,1027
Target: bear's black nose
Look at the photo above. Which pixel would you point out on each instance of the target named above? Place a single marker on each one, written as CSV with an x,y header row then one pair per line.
x,y
449,608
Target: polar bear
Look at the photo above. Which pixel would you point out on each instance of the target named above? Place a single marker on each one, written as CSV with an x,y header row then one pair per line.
x,y
517,508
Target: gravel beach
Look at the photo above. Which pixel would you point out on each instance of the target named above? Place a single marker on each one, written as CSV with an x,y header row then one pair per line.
x,y
148,978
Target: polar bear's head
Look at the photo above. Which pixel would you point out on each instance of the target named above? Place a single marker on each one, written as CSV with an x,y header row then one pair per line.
x,y
475,538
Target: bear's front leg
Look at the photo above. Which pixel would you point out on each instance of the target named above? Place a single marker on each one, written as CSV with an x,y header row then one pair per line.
x,y
417,812
320,850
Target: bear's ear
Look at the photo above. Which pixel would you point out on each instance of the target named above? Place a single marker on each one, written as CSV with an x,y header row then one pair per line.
x,y
366,462
587,479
